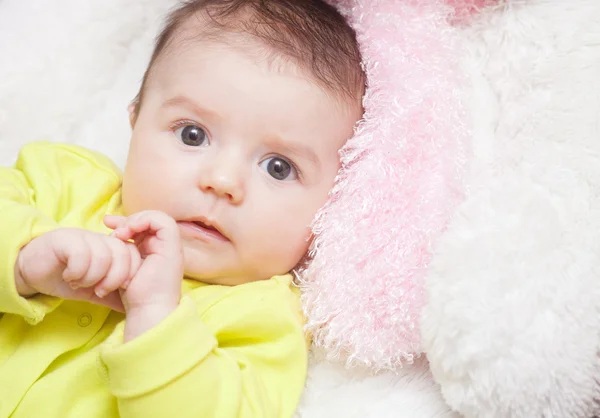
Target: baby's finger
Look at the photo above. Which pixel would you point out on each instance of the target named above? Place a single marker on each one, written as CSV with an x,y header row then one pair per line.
x,y
118,272
139,238
155,222
135,264
112,300
114,221
152,245
101,261
77,256
124,231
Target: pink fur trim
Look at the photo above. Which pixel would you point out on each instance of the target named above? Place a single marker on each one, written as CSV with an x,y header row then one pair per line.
x,y
400,181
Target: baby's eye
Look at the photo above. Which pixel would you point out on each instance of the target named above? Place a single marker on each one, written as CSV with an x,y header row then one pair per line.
x,y
192,135
280,169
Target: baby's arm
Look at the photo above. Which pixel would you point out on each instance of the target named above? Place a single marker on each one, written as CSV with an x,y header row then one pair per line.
x,y
155,289
48,183
223,353
76,264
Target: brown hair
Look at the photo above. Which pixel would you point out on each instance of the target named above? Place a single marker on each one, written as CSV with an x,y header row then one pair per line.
x,y
311,33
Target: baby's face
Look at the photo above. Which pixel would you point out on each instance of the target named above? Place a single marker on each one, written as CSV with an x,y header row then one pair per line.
x,y
225,141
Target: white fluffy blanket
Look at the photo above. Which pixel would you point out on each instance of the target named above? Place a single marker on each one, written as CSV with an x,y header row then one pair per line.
x,y
512,322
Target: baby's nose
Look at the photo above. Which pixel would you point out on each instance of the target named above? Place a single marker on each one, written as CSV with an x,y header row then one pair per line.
x,y
224,179
226,188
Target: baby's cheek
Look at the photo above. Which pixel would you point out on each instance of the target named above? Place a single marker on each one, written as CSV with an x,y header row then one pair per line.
x,y
142,192
290,239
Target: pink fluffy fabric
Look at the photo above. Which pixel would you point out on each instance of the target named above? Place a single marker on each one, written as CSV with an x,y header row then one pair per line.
x,y
400,181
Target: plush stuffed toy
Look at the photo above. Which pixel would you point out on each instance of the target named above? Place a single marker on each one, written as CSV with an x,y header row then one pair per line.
x,y
400,182
512,326
477,249
456,267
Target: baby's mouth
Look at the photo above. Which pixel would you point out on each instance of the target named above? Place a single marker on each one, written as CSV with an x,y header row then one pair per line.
x,y
203,230
203,225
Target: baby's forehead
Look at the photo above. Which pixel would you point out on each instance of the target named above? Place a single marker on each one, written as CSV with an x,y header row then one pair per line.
x,y
279,51
190,66
258,54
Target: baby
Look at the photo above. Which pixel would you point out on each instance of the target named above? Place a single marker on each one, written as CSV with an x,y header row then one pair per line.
x,y
166,291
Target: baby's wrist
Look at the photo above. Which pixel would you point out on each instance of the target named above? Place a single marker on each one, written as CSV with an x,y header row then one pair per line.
x,y
141,319
23,289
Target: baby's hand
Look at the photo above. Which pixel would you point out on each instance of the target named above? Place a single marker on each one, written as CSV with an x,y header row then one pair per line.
x,y
155,290
77,264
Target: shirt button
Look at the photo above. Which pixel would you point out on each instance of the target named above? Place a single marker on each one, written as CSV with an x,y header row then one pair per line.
x,y
84,320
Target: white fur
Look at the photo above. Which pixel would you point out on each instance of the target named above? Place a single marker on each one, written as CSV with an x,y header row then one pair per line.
x,y
334,392
512,324
68,70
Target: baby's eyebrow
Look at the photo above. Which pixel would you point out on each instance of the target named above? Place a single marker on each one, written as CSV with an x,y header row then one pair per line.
x,y
182,101
295,148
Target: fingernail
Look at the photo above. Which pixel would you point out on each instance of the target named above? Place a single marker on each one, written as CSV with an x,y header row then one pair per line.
x,y
100,293
126,284
74,285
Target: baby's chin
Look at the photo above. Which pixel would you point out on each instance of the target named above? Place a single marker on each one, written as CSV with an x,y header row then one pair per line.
x,y
211,266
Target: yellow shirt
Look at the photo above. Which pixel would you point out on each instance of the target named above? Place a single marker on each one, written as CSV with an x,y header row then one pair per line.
x,y
224,352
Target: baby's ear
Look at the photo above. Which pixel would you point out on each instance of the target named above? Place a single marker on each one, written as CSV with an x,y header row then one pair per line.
x,y
132,109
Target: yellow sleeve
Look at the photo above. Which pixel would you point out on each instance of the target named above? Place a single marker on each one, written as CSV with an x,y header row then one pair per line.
x,y
46,185
246,356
